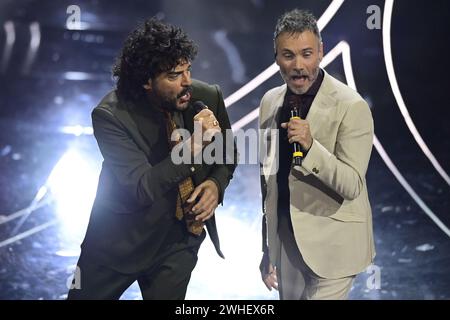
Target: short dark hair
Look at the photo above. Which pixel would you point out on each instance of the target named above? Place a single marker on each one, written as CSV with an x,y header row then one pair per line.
x,y
152,48
297,21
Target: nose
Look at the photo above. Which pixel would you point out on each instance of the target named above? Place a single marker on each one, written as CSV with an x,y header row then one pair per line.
x,y
186,80
298,63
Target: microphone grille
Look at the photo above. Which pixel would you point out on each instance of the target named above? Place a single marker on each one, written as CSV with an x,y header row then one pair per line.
x,y
199,106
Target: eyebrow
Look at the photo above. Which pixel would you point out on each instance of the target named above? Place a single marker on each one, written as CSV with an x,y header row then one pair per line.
x,y
173,72
303,50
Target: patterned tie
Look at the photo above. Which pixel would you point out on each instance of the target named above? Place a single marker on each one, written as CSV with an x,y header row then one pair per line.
x,y
185,188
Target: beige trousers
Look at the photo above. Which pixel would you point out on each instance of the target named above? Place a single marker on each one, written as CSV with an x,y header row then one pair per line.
x,y
296,281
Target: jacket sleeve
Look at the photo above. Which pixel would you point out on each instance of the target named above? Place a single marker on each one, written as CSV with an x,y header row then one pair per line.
x,y
265,247
345,169
221,174
129,164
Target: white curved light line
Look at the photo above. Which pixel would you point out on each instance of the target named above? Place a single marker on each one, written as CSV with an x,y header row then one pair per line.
x,y
273,69
329,14
28,233
232,54
252,85
10,33
387,16
35,42
407,187
9,43
242,122
38,202
26,211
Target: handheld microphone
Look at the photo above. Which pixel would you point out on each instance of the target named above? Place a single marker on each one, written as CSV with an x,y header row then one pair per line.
x,y
297,154
199,106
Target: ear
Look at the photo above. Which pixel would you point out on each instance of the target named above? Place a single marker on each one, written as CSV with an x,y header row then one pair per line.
x,y
275,52
148,85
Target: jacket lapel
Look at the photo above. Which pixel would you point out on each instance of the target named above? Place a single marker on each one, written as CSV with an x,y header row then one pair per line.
x,y
319,111
269,125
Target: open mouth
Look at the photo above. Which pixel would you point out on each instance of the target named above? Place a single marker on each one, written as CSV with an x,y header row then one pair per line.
x,y
185,96
299,81
297,78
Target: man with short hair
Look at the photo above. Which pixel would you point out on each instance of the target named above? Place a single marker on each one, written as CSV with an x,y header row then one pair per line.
x,y
147,219
317,225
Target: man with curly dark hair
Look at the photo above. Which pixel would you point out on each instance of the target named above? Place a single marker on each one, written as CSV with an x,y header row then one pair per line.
x,y
147,220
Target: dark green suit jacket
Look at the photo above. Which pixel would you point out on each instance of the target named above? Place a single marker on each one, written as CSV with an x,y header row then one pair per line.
x,y
136,196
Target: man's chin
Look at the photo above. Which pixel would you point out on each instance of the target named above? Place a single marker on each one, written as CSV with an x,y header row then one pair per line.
x,y
299,90
175,105
182,106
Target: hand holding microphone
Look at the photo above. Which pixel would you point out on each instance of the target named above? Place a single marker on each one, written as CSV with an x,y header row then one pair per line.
x,y
298,132
205,126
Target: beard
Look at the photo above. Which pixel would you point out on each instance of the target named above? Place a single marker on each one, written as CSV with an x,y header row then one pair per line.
x,y
310,77
170,103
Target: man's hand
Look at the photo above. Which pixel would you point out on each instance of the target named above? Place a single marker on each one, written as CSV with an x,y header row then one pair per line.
x,y
298,131
268,273
209,125
205,127
208,201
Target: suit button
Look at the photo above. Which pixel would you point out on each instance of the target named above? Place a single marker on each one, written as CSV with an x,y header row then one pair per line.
x,y
315,170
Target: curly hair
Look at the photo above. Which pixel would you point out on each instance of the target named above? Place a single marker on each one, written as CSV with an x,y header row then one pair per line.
x,y
152,48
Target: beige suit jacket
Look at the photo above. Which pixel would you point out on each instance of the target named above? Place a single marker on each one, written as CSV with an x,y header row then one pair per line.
x,y
330,209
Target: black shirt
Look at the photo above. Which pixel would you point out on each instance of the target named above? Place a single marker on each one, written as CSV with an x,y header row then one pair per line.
x,y
285,148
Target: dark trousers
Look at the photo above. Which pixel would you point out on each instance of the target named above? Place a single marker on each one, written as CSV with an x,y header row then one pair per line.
x,y
166,278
